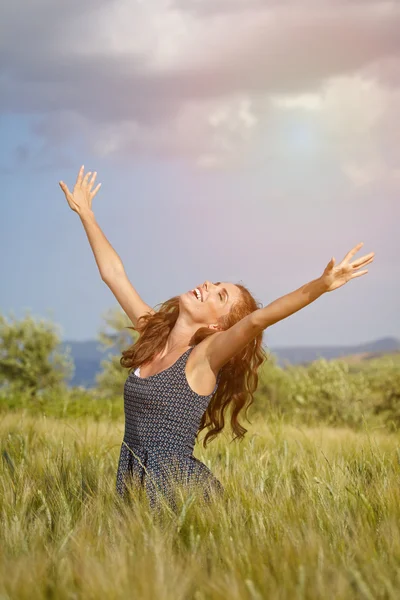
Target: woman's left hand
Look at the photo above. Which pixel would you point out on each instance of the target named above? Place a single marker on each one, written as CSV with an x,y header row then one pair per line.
x,y
335,276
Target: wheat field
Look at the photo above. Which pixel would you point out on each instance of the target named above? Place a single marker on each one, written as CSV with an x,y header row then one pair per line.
x,y
307,513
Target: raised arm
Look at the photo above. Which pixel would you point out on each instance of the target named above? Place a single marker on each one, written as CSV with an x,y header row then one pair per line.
x,y
222,346
112,271
108,261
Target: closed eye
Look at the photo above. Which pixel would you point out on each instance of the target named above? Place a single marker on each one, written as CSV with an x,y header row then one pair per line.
x,y
226,293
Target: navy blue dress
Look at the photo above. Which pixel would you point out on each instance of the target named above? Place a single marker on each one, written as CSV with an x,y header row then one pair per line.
x,y
162,418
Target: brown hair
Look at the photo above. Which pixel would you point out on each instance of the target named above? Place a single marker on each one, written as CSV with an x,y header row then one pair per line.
x,y
238,378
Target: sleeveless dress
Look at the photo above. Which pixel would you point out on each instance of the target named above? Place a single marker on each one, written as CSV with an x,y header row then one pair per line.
x,y
162,418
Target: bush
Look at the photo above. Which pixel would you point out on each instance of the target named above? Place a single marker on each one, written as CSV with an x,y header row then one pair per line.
x,y
72,403
332,392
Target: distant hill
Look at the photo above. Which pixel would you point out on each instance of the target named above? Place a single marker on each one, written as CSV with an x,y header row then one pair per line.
x,y
88,356
296,355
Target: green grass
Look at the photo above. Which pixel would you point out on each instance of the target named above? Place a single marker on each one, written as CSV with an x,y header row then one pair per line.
x,y
308,513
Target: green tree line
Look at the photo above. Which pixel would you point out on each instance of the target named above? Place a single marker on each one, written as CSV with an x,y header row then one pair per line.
x,y
34,376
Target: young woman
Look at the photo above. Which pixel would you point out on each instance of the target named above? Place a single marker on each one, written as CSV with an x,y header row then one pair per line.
x,y
196,359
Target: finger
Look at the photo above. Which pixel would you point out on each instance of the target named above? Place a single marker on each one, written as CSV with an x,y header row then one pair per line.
x,y
352,252
96,189
360,261
359,273
80,175
91,183
365,263
331,263
64,187
85,179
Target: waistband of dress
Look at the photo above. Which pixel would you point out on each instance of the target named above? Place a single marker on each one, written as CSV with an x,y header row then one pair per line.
x,y
155,447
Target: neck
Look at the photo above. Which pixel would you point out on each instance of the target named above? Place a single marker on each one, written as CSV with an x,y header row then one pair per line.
x,y
179,338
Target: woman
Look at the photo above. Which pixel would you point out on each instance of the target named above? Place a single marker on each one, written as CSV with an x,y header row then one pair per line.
x,y
195,360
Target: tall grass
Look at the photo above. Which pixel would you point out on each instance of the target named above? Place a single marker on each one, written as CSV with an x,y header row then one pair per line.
x,y
308,513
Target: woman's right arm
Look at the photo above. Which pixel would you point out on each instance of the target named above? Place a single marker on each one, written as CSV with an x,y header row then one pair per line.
x,y
112,270
108,261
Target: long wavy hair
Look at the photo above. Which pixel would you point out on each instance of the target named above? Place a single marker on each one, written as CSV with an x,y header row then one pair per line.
x,y
238,378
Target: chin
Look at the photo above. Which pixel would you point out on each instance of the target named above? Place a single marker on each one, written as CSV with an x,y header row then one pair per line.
x,y
186,300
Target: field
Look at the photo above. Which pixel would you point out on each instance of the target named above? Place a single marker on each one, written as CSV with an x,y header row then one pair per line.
x,y
308,513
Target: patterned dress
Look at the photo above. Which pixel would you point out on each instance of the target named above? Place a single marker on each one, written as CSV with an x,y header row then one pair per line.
x,y
162,418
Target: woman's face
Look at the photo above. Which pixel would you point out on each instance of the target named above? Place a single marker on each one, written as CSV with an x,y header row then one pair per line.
x,y
215,301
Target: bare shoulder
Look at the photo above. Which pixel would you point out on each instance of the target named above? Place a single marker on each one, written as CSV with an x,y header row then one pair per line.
x,y
199,357
199,373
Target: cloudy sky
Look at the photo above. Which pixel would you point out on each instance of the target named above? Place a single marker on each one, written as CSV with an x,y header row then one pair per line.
x,y
235,140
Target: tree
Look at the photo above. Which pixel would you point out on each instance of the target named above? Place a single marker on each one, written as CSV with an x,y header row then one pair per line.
x,y
30,360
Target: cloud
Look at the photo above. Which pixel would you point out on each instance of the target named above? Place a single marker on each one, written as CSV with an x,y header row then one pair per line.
x,y
356,118
205,80
209,8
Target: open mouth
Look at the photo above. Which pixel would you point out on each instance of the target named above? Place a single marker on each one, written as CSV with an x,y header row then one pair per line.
x,y
197,294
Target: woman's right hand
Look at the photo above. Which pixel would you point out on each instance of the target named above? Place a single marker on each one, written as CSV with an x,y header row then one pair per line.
x,y
80,200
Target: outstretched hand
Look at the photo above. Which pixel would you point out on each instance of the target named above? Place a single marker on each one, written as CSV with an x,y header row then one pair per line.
x,y
334,277
81,197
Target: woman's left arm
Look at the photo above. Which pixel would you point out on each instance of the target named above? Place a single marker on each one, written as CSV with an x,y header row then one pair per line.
x,y
223,345
332,278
